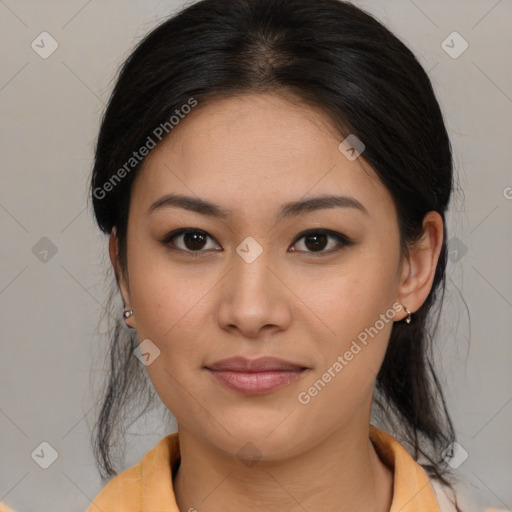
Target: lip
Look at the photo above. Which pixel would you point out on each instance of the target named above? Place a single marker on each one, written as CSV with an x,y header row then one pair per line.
x,y
255,376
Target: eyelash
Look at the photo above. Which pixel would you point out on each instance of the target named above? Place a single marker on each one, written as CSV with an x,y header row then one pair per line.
x,y
343,240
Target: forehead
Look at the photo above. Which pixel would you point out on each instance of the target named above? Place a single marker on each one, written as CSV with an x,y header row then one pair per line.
x,y
256,152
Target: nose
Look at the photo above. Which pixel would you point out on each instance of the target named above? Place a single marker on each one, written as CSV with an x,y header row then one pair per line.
x,y
254,298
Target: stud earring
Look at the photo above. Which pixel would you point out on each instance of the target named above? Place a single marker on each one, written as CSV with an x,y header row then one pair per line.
x,y
127,313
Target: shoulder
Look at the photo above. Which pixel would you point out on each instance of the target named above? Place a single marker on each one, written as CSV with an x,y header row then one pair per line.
x,y
444,496
150,478
124,489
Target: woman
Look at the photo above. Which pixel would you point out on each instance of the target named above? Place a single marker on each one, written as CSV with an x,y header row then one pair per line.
x,y
274,177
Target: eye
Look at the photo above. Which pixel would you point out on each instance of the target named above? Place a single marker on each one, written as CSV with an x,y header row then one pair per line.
x,y
189,240
193,240
316,240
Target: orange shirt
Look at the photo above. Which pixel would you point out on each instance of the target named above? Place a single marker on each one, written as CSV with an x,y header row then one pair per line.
x,y
147,486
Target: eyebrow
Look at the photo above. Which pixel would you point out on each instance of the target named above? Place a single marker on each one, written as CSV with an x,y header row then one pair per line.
x,y
288,210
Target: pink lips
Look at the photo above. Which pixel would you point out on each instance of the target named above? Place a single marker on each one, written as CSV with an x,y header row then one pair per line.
x,y
256,376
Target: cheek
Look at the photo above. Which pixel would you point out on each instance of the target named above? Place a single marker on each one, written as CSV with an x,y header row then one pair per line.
x,y
171,309
167,296
343,381
349,297
356,303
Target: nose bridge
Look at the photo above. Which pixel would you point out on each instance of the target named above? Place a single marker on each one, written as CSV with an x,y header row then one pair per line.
x,y
253,297
252,279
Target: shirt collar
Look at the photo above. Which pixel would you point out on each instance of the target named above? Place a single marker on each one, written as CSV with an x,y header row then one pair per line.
x,y
148,485
412,490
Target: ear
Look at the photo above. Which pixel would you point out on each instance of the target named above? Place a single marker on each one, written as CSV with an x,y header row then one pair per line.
x,y
419,268
113,250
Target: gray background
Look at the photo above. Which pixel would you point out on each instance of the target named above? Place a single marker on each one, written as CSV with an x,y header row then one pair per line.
x,y
51,349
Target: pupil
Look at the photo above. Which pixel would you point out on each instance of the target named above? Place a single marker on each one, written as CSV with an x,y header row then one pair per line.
x,y
316,245
194,240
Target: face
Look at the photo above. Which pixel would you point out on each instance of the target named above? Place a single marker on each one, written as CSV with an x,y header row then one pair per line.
x,y
313,286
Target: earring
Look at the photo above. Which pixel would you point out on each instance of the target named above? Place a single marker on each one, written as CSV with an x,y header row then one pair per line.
x,y
127,313
408,318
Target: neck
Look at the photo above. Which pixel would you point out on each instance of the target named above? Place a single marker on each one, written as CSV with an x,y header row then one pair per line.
x,y
342,473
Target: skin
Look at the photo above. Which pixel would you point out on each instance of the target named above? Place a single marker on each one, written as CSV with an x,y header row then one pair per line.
x,y
251,154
